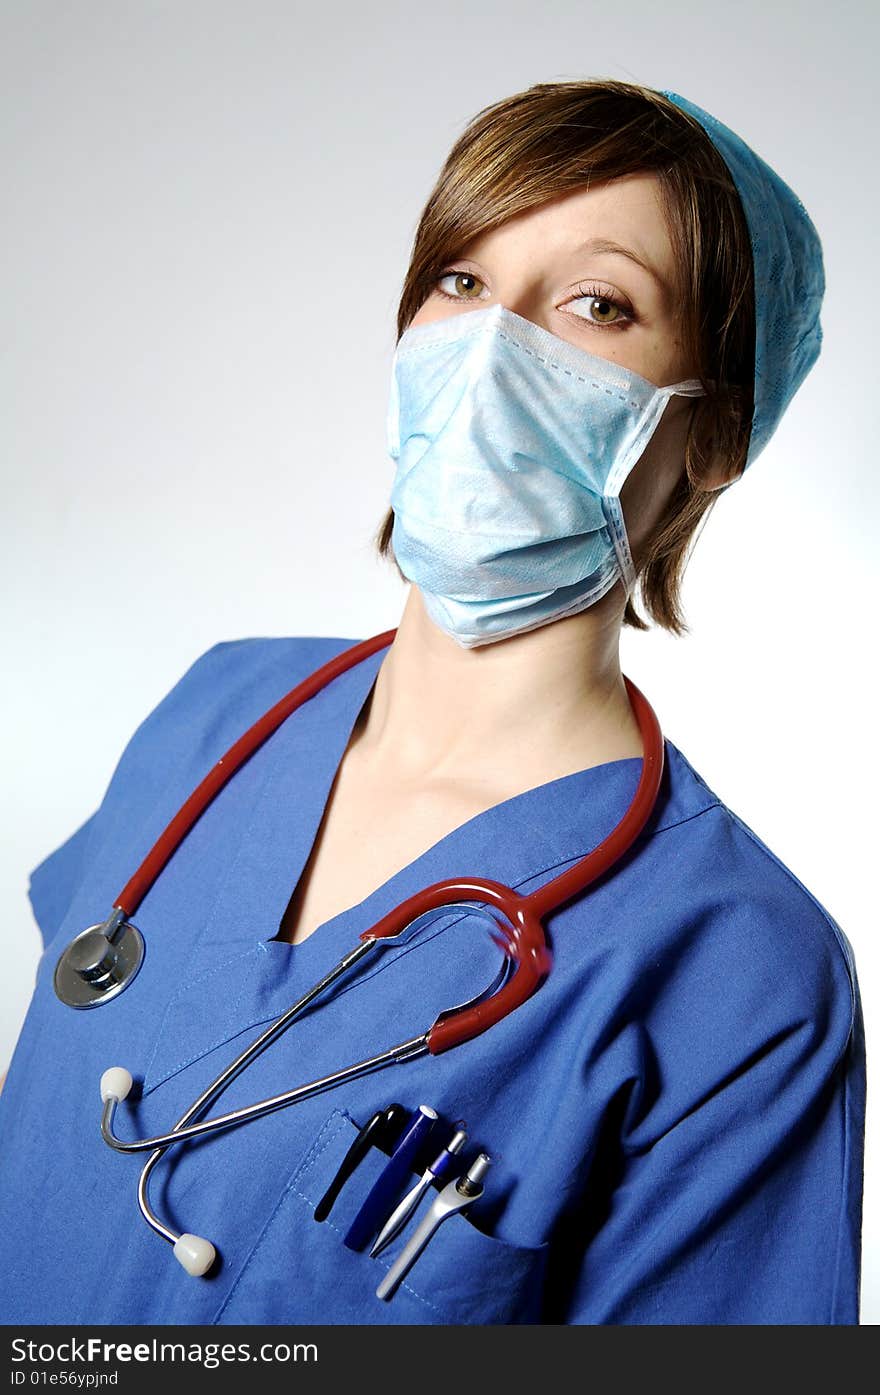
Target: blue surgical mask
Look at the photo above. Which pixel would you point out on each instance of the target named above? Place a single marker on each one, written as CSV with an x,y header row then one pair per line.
x,y
512,446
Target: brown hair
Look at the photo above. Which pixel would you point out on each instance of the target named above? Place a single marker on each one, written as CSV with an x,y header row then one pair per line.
x,y
556,137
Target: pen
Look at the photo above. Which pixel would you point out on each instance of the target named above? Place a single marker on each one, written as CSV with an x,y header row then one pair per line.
x,y
391,1179
455,1197
378,1132
439,1171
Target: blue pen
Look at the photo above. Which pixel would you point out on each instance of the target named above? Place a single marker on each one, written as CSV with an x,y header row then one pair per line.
x,y
396,1172
441,1170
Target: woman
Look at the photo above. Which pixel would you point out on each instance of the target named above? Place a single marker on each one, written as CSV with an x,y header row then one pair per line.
x,y
609,304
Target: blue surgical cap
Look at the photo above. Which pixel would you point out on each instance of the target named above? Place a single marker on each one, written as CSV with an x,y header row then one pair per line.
x,y
789,276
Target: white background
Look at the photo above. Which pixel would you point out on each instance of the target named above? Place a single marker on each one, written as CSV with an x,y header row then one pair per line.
x,y
208,211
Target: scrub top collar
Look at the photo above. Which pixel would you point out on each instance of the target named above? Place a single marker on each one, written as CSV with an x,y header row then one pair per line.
x,y
239,975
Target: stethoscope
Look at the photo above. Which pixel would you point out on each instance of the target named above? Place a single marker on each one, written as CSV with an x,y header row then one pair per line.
x,y
104,959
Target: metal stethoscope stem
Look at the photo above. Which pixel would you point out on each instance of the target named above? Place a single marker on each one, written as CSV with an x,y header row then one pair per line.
x,y
195,1253
101,961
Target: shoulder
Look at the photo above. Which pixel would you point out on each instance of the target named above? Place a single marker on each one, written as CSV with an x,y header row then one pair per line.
x,y
743,911
734,986
215,701
226,689
247,670
217,698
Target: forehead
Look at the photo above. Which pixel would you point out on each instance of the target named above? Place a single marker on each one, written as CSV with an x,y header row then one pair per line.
x,y
628,211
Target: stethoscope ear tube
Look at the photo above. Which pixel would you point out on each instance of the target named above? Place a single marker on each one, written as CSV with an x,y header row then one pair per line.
x,y
221,773
518,927
562,889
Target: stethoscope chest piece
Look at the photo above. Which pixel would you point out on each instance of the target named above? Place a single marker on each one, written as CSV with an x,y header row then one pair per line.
x,y
99,963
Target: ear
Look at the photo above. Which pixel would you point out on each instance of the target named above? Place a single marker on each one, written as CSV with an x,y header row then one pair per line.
x,y
718,476
717,470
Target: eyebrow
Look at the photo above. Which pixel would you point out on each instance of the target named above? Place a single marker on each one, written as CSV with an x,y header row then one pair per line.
x,y
604,244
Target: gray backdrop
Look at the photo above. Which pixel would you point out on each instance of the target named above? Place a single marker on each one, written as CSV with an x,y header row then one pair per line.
x,y
208,208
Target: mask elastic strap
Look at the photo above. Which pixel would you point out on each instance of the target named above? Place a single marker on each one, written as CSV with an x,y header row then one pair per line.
x,y
691,387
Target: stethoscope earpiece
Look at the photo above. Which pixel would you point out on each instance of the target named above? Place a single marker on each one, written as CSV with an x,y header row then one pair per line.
x,y
194,1254
116,1083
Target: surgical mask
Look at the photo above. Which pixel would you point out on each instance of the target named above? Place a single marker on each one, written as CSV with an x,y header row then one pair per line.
x,y
512,446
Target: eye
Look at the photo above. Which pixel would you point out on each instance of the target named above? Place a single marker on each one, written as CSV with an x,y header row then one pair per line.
x,y
603,308
463,285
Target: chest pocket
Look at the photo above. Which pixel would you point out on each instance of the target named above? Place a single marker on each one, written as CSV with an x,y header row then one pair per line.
x,y
299,1270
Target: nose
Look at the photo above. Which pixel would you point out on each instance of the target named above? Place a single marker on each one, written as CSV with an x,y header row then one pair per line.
x,y
526,300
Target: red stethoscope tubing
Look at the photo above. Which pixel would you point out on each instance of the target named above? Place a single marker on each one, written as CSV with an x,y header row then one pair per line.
x,y
522,934
220,774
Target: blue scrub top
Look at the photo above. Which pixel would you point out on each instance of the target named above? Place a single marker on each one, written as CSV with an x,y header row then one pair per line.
x,y
676,1118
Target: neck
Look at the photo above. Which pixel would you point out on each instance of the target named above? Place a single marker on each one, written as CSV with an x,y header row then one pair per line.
x,y
551,701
